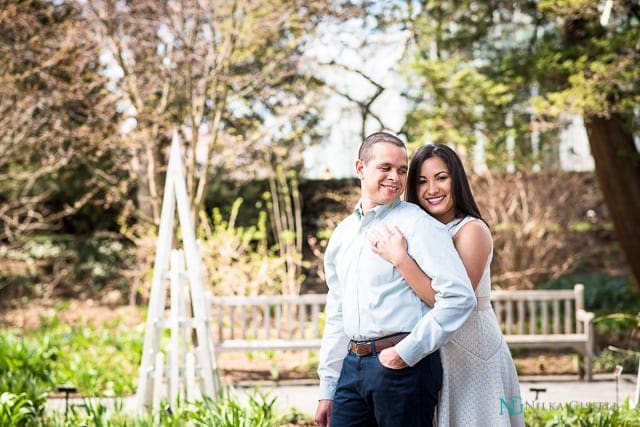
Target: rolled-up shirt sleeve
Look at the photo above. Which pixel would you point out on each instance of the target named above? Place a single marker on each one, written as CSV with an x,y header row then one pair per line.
x,y
455,299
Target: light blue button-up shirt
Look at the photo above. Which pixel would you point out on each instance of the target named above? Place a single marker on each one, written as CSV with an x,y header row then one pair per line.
x,y
368,298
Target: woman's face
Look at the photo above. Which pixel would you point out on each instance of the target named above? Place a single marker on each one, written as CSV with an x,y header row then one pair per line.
x,y
435,190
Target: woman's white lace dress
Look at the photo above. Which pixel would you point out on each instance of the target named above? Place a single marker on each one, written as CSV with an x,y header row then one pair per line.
x,y
480,384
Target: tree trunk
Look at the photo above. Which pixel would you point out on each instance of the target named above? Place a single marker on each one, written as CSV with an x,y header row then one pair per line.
x,y
618,170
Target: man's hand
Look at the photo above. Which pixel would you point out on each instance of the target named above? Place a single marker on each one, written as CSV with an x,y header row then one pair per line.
x,y
389,358
323,413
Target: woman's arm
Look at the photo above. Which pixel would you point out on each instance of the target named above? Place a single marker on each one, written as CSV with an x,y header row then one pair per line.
x,y
474,244
392,246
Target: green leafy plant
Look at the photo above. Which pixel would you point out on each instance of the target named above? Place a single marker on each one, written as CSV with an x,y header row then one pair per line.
x,y
603,294
627,356
51,265
238,260
17,409
227,411
25,370
583,415
99,361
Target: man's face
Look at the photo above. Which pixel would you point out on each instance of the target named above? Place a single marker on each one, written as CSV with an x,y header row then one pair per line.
x,y
384,176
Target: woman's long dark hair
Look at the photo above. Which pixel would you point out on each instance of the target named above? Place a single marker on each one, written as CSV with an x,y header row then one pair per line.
x,y
463,199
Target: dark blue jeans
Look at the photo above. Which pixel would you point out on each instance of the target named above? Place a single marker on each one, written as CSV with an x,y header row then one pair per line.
x,y
369,394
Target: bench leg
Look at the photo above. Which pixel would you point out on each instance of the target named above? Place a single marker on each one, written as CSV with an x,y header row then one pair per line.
x,y
585,366
589,367
589,352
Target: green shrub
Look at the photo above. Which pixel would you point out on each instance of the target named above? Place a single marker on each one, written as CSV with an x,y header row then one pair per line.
x,y
17,410
226,411
602,294
99,361
587,415
238,260
25,370
607,361
66,265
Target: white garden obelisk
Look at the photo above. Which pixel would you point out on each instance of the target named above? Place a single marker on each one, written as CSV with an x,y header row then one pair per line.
x,y
188,365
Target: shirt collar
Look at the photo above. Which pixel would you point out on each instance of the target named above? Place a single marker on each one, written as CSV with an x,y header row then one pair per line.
x,y
379,210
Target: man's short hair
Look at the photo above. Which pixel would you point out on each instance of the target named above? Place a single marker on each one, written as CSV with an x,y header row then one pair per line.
x,y
364,153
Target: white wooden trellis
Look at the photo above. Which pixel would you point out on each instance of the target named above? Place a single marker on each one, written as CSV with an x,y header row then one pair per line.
x,y
191,371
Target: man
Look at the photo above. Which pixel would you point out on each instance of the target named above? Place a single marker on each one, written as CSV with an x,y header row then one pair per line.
x,y
379,364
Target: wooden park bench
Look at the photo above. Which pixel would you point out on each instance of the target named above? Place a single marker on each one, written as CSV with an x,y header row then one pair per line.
x,y
553,319
267,322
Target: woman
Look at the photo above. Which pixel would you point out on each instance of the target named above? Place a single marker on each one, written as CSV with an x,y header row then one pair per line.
x,y
479,376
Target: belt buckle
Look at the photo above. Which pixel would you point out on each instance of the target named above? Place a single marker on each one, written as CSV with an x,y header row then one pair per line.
x,y
362,348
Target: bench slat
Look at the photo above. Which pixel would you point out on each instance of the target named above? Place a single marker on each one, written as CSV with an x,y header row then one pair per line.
x,y
509,317
551,338
566,305
275,344
545,316
532,316
521,317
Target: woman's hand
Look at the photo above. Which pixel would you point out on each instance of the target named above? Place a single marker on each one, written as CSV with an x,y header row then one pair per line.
x,y
392,246
389,244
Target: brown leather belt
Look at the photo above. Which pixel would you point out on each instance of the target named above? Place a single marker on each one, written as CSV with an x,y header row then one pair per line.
x,y
365,348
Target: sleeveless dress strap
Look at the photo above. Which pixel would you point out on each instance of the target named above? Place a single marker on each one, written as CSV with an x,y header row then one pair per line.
x,y
455,225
